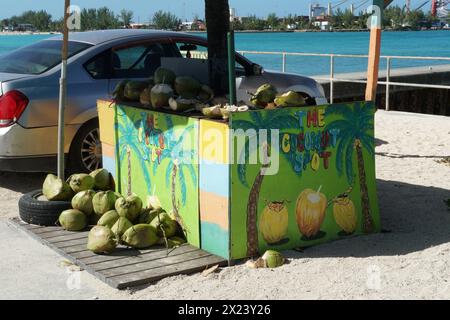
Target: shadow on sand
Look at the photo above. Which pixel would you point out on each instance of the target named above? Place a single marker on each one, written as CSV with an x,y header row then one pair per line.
x,y
21,182
416,217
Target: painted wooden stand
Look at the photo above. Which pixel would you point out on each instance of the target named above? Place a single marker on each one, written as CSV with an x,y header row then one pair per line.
x,y
269,179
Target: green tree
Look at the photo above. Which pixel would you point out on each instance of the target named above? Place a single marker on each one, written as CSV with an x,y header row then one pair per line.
x,y
270,121
106,19
355,129
272,21
166,20
126,17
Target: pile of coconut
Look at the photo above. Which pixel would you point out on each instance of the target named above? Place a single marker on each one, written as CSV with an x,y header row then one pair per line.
x,y
117,219
183,94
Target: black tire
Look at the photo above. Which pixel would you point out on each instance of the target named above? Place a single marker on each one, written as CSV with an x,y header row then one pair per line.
x,y
40,212
79,161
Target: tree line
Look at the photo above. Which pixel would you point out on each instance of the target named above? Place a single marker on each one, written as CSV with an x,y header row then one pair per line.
x,y
395,18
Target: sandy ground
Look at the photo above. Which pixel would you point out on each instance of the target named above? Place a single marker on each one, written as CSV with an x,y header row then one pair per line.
x,y
409,261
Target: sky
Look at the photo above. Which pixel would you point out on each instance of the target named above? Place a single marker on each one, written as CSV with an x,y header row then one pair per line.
x,y
185,9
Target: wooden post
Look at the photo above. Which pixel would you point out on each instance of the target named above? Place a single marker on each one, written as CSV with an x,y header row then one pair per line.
x,y
374,49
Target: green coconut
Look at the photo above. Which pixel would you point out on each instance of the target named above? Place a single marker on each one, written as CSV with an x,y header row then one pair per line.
x,y
129,207
118,93
182,104
145,97
55,189
133,89
81,182
103,202
102,179
73,220
290,99
153,202
206,94
101,240
164,76
109,219
147,215
121,225
140,236
175,242
163,221
187,87
273,259
212,112
83,202
160,95
264,95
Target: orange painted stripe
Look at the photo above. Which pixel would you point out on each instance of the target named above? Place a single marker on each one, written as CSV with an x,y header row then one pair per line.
x,y
108,150
214,209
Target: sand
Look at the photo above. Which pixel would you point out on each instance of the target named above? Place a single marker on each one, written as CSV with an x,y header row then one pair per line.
x,y
409,260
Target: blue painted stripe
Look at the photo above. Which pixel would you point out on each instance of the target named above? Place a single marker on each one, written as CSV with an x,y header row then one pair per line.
x,y
214,178
215,240
110,165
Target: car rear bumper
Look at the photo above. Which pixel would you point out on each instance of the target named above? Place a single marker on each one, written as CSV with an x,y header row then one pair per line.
x,y
19,142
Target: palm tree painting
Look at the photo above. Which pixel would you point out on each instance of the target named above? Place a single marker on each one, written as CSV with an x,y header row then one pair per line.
x,y
128,144
181,165
355,135
274,120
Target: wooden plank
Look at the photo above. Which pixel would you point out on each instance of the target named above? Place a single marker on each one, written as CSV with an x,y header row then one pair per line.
x,y
125,267
153,275
148,265
142,258
60,236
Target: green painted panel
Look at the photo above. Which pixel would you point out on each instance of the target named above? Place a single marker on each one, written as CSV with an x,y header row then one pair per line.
x,y
158,155
322,189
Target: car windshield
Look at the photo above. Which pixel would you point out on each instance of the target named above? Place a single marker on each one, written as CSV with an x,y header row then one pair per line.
x,y
38,58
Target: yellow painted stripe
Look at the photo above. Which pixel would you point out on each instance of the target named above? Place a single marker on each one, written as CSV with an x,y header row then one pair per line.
x,y
106,121
214,142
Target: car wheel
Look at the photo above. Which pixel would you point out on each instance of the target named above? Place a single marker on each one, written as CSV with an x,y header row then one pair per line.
x,y
35,209
86,150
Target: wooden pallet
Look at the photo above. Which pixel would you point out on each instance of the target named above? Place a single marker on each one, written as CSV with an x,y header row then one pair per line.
x,y
125,267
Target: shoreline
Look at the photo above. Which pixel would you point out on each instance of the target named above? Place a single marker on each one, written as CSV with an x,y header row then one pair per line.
x,y
20,33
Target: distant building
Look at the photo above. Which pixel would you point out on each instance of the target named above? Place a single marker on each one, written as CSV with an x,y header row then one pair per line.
x,y
25,27
197,25
317,10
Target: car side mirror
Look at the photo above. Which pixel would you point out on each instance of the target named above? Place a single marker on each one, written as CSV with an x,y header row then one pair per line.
x,y
257,70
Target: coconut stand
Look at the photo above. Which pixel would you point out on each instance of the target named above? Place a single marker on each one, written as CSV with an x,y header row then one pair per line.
x,y
266,179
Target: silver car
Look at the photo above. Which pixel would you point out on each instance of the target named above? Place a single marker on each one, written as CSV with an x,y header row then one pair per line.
x,y
29,88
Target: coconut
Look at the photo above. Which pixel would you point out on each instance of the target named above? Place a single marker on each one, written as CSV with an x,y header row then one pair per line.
x,y
122,224
103,202
290,99
118,93
182,104
164,76
153,202
55,189
273,259
83,202
109,219
145,97
206,94
264,95
212,112
187,87
164,222
101,240
133,89
81,182
102,179
160,95
147,215
73,220
129,207
175,242
140,236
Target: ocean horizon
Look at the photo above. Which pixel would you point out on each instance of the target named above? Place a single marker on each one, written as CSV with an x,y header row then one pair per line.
x,y
401,43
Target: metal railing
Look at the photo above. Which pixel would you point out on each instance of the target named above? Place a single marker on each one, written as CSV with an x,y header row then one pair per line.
x,y
332,79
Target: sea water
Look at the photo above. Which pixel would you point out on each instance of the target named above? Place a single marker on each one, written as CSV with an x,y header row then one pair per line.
x,y
410,43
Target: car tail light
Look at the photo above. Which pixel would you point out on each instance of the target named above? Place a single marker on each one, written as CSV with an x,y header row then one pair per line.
x,y
12,104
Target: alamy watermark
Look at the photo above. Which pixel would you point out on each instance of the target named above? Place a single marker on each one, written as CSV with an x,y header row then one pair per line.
x,y
74,19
